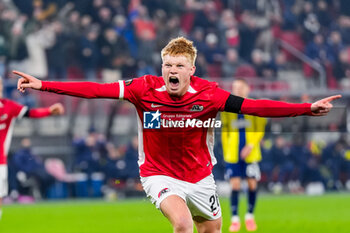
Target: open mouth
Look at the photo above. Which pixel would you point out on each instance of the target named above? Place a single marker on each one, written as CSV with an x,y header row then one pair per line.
x,y
174,81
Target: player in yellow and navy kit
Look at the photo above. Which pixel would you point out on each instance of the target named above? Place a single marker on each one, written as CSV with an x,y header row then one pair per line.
x,y
241,136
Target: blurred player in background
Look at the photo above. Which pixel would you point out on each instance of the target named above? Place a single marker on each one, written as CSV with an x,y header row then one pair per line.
x,y
176,163
9,112
241,136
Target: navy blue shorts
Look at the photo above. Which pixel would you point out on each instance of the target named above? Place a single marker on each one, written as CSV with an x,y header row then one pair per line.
x,y
243,170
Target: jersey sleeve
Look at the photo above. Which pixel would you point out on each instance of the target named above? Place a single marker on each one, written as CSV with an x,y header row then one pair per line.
x,y
220,97
133,89
123,89
272,108
17,110
85,89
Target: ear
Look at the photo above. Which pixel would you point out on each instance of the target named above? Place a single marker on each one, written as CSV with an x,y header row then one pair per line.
x,y
248,88
193,70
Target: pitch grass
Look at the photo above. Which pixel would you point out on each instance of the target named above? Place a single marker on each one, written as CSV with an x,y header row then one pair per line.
x,y
282,214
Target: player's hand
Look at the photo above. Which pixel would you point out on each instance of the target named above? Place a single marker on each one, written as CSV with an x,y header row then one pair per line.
x,y
246,151
56,109
27,81
323,106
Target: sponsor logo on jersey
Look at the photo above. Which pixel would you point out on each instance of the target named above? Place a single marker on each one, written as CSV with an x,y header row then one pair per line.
x,y
197,108
128,82
156,105
193,123
151,120
162,192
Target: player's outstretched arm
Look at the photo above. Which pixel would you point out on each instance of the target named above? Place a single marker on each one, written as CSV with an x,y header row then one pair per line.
x,y
55,109
272,108
79,89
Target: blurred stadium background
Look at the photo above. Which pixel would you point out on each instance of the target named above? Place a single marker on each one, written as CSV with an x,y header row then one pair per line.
x,y
291,50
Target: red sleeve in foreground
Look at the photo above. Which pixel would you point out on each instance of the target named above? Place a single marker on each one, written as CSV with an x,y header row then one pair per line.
x,y
272,108
39,112
83,89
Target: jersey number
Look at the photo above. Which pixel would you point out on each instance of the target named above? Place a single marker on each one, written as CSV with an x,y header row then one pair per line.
x,y
214,202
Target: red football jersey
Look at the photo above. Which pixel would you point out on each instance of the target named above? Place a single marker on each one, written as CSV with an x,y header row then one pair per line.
x,y
9,111
180,147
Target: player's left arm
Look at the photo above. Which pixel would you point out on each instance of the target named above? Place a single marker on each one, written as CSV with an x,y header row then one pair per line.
x,y
78,89
55,109
273,108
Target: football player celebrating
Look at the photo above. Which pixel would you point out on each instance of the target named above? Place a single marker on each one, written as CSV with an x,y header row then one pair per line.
x,y
176,163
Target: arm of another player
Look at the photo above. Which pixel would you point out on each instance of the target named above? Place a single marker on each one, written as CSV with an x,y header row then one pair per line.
x,y
79,89
255,136
55,109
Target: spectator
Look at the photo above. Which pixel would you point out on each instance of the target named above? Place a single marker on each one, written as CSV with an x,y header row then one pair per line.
x,y
88,152
104,18
146,34
201,65
131,158
89,53
323,13
333,159
25,161
57,54
124,28
3,56
198,37
318,50
213,53
341,66
335,46
263,68
300,155
282,167
248,32
309,22
229,36
114,165
114,54
231,63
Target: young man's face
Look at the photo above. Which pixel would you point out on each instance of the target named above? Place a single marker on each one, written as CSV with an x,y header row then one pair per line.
x,y
177,72
240,88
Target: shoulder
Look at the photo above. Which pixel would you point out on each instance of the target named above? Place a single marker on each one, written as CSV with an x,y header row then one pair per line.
x,y
10,103
200,83
146,81
203,86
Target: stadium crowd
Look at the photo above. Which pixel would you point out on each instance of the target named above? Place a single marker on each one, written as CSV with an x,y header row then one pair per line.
x,y
108,40
114,39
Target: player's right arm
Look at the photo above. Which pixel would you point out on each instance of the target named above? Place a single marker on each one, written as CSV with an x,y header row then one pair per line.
x,y
79,89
